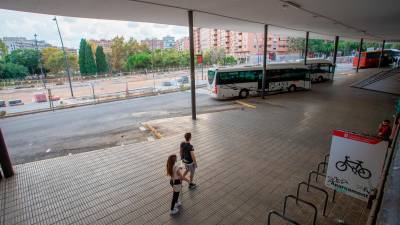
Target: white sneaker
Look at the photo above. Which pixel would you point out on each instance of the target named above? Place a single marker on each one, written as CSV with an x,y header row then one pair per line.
x,y
178,204
174,211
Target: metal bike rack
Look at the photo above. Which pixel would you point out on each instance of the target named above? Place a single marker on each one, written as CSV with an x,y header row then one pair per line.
x,y
316,188
281,216
318,174
302,201
323,169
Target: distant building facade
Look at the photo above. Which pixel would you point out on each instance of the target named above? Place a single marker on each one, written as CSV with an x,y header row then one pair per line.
x,y
14,43
182,44
241,45
106,44
168,42
153,43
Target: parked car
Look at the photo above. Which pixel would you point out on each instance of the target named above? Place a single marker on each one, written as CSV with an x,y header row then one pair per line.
x,y
183,80
2,103
15,102
169,83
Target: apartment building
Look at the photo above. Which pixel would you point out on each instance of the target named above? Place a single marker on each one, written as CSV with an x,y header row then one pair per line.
x,y
182,44
106,44
153,43
14,43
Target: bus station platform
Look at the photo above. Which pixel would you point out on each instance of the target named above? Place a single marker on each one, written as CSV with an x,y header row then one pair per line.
x,y
249,159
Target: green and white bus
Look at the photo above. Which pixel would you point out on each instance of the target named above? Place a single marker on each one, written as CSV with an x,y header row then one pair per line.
x,y
228,82
320,69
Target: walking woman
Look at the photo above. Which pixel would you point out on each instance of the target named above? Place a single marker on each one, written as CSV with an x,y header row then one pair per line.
x,y
174,171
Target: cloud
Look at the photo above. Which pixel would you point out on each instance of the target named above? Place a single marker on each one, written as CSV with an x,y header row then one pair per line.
x,y
22,24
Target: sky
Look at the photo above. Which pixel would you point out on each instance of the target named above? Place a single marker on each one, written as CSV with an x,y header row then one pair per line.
x,y
22,24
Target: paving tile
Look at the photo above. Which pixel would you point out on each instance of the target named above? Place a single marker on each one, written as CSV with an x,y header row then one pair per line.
x,y
248,161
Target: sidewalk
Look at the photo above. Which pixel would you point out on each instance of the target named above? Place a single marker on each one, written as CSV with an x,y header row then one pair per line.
x,y
248,161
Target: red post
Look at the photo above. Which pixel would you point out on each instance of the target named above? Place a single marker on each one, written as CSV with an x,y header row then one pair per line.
x,y
5,161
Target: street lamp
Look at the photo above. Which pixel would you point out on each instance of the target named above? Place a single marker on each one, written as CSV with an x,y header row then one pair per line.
x,y
40,62
65,58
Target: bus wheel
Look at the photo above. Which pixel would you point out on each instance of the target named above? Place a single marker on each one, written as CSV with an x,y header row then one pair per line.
x,y
292,88
244,93
320,79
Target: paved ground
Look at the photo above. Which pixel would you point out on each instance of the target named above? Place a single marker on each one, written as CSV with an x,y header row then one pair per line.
x,y
50,134
248,161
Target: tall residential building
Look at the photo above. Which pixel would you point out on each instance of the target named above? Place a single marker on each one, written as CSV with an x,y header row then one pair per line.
x,y
106,44
169,42
241,45
182,44
196,40
153,44
14,43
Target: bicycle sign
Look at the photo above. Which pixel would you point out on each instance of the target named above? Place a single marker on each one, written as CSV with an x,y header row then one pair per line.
x,y
355,163
356,167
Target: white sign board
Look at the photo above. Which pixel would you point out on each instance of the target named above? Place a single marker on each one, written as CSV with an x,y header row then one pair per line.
x,y
355,163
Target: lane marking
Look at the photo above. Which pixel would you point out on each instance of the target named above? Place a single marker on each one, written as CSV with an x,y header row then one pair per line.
x,y
245,104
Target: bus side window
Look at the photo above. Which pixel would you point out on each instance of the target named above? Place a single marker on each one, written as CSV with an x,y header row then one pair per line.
x,y
228,77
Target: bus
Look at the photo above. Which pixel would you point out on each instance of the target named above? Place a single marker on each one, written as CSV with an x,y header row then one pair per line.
x,y
371,59
320,69
228,82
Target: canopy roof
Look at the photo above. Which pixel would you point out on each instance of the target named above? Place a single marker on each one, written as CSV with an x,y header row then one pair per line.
x,y
369,19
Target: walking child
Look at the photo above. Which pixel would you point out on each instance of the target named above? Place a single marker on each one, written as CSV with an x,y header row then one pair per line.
x,y
174,172
188,158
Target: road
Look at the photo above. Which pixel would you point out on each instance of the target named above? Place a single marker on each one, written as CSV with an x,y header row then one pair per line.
x,y
69,131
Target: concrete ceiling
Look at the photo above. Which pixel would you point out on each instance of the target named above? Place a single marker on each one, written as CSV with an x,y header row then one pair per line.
x,y
370,19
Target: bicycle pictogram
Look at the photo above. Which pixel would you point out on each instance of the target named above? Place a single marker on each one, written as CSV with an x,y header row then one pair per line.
x,y
356,167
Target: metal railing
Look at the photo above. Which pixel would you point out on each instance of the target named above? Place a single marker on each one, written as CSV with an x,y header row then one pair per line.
x,y
387,194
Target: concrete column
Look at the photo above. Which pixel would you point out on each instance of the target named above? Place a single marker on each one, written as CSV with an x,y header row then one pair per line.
x,y
380,57
192,76
359,54
335,54
264,61
306,48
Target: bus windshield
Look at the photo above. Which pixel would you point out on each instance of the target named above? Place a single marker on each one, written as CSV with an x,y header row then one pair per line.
x,y
211,75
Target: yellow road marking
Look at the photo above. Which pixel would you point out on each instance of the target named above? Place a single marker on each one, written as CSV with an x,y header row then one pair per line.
x,y
245,104
154,131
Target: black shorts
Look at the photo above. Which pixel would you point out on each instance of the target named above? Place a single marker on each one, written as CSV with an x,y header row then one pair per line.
x,y
174,182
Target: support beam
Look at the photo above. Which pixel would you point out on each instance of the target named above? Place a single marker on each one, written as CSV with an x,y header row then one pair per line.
x,y
335,53
192,77
5,161
359,54
380,57
264,61
306,48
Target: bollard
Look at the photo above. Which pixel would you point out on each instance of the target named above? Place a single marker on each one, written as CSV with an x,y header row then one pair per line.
x,y
5,161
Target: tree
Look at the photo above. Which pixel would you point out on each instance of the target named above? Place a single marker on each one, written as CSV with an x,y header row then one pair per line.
x,y
89,60
53,60
138,61
230,60
101,62
12,71
118,53
28,58
3,49
296,45
82,57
